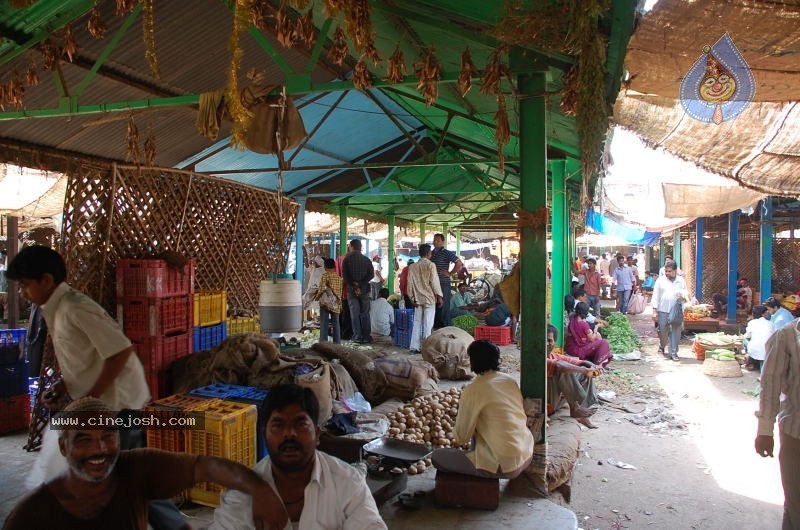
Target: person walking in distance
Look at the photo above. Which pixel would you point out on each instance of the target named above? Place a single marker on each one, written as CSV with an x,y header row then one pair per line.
x,y
357,272
625,281
669,294
425,292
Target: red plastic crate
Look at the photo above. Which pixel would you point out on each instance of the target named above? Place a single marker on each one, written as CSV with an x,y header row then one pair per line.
x,y
153,278
158,353
15,413
500,335
153,317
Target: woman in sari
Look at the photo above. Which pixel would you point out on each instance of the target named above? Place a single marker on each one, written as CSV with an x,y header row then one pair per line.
x,y
584,343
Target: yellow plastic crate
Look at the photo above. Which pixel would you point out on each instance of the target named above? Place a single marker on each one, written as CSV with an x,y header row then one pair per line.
x,y
210,307
243,325
171,439
229,431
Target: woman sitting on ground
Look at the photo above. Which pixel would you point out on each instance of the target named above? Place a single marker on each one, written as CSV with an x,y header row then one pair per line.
x,y
584,343
491,416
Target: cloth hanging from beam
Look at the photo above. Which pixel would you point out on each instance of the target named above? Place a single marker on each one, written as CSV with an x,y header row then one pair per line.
x,y
605,225
689,200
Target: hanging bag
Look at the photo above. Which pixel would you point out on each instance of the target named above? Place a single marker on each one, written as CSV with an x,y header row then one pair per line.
x,y
675,315
329,300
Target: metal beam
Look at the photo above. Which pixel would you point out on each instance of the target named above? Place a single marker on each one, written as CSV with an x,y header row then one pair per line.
x,y
318,125
108,49
319,45
765,276
390,283
399,192
698,259
559,234
354,165
733,263
342,229
79,8
193,99
271,51
397,123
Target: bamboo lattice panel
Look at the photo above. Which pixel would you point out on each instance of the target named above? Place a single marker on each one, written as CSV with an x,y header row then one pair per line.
x,y
237,234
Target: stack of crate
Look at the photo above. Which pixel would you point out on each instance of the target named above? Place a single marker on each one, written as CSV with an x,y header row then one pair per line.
x,y
210,427
210,326
15,409
403,326
154,307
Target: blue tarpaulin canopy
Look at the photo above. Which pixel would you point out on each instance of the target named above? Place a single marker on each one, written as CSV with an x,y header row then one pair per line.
x,y
605,225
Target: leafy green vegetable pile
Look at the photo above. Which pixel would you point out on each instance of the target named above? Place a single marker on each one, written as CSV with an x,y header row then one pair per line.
x,y
466,322
619,334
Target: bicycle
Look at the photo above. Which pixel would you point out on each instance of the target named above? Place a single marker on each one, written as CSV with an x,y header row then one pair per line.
x,y
483,287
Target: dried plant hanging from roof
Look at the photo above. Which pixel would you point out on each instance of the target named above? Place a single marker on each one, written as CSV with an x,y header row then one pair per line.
x,y
502,132
125,7
362,78
69,48
285,27
339,51
95,26
149,36
32,75
15,92
133,154
396,67
429,72
468,71
150,150
239,114
49,54
494,72
306,31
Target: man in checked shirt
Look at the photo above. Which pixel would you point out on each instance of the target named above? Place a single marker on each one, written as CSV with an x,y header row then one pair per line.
x,y
781,375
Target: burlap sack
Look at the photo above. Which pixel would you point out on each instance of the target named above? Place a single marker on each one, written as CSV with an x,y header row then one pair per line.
x,y
446,350
407,378
510,288
260,135
370,380
319,381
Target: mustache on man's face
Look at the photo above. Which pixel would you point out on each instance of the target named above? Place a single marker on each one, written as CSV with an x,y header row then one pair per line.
x,y
290,444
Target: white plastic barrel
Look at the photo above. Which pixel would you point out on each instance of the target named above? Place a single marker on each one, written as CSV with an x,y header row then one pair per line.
x,y
280,305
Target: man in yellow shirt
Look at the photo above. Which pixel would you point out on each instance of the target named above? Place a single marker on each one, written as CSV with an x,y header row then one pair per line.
x,y
490,414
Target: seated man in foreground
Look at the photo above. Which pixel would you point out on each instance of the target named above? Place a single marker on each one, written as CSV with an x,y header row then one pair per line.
x,y
320,491
573,379
381,314
108,488
491,416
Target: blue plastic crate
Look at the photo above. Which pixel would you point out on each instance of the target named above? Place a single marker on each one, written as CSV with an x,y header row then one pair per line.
x,y
13,379
207,337
241,394
12,346
402,337
403,319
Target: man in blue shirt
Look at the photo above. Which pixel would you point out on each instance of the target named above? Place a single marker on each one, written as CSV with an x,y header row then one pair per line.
x,y
625,280
442,258
779,315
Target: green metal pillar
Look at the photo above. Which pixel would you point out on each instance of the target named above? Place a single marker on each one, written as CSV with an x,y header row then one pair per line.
x,y
342,229
559,235
676,247
390,283
458,243
444,231
573,168
662,250
533,198
765,275
422,232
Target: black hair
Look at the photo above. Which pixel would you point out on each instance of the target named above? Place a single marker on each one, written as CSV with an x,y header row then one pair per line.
x,y
670,265
484,356
591,260
771,302
582,309
281,396
552,330
32,263
330,263
569,303
462,284
759,310
424,250
580,291
440,236
383,293
356,244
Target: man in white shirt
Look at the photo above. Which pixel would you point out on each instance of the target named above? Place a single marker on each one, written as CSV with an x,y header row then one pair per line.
x,y
381,314
780,396
320,492
377,280
669,291
95,357
425,291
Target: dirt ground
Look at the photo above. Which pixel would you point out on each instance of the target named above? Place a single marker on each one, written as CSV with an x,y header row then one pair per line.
x,y
690,438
